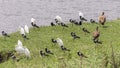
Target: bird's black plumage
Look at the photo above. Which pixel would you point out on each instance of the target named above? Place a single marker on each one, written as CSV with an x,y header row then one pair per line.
x,y
63,25
48,51
5,34
81,55
64,49
42,53
53,40
52,24
24,36
82,18
92,21
85,30
34,25
74,35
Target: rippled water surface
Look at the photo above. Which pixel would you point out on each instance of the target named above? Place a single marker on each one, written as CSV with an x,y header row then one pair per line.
x,y
19,12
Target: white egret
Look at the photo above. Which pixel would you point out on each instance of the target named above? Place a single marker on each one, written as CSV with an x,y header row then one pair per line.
x,y
20,43
60,42
22,31
5,34
27,52
26,29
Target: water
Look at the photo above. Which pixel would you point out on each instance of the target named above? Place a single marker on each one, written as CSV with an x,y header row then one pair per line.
x,y
14,13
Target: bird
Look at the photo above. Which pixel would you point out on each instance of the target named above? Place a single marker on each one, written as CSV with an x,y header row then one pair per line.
x,y
5,34
74,35
53,40
60,42
58,19
92,21
27,53
48,51
19,49
96,35
64,49
82,16
85,30
102,19
42,53
22,32
20,43
52,24
33,23
81,55
26,29
63,25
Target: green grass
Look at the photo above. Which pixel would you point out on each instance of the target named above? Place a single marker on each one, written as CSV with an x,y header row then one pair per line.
x,y
41,38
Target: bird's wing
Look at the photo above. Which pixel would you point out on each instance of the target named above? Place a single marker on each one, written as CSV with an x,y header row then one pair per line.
x,y
26,29
22,31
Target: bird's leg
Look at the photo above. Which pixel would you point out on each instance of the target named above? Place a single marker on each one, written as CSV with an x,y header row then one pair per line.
x,y
80,61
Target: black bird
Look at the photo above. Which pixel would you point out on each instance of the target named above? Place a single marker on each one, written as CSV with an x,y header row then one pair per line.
x,y
5,34
92,21
42,53
63,25
56,21
85,30
81,54
82,18
64,49
71,21
53,40
34,25
24,36
74,35
52,24
48,51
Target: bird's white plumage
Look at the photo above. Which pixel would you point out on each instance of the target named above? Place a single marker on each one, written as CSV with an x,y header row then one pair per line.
x,y
33,20
60,42
20,49
26,29
22,31
20,43
81,14
27,52
58,18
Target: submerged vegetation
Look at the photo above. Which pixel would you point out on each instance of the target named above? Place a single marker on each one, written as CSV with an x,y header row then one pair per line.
x,y
105,55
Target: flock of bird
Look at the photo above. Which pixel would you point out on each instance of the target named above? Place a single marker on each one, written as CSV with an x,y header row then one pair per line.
x,y
20,49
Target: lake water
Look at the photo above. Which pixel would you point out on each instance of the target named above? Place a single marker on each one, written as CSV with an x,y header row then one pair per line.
x,y
14,13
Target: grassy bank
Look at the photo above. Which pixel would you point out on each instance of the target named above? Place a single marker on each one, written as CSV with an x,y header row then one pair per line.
x,y
98,54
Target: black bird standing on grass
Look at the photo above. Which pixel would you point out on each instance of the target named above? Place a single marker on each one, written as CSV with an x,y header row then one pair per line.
x,y
82,16
48,51
64,49
52,24
74,35
33,23
63,25
81,54
5,34
92,21
85,30
42,53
